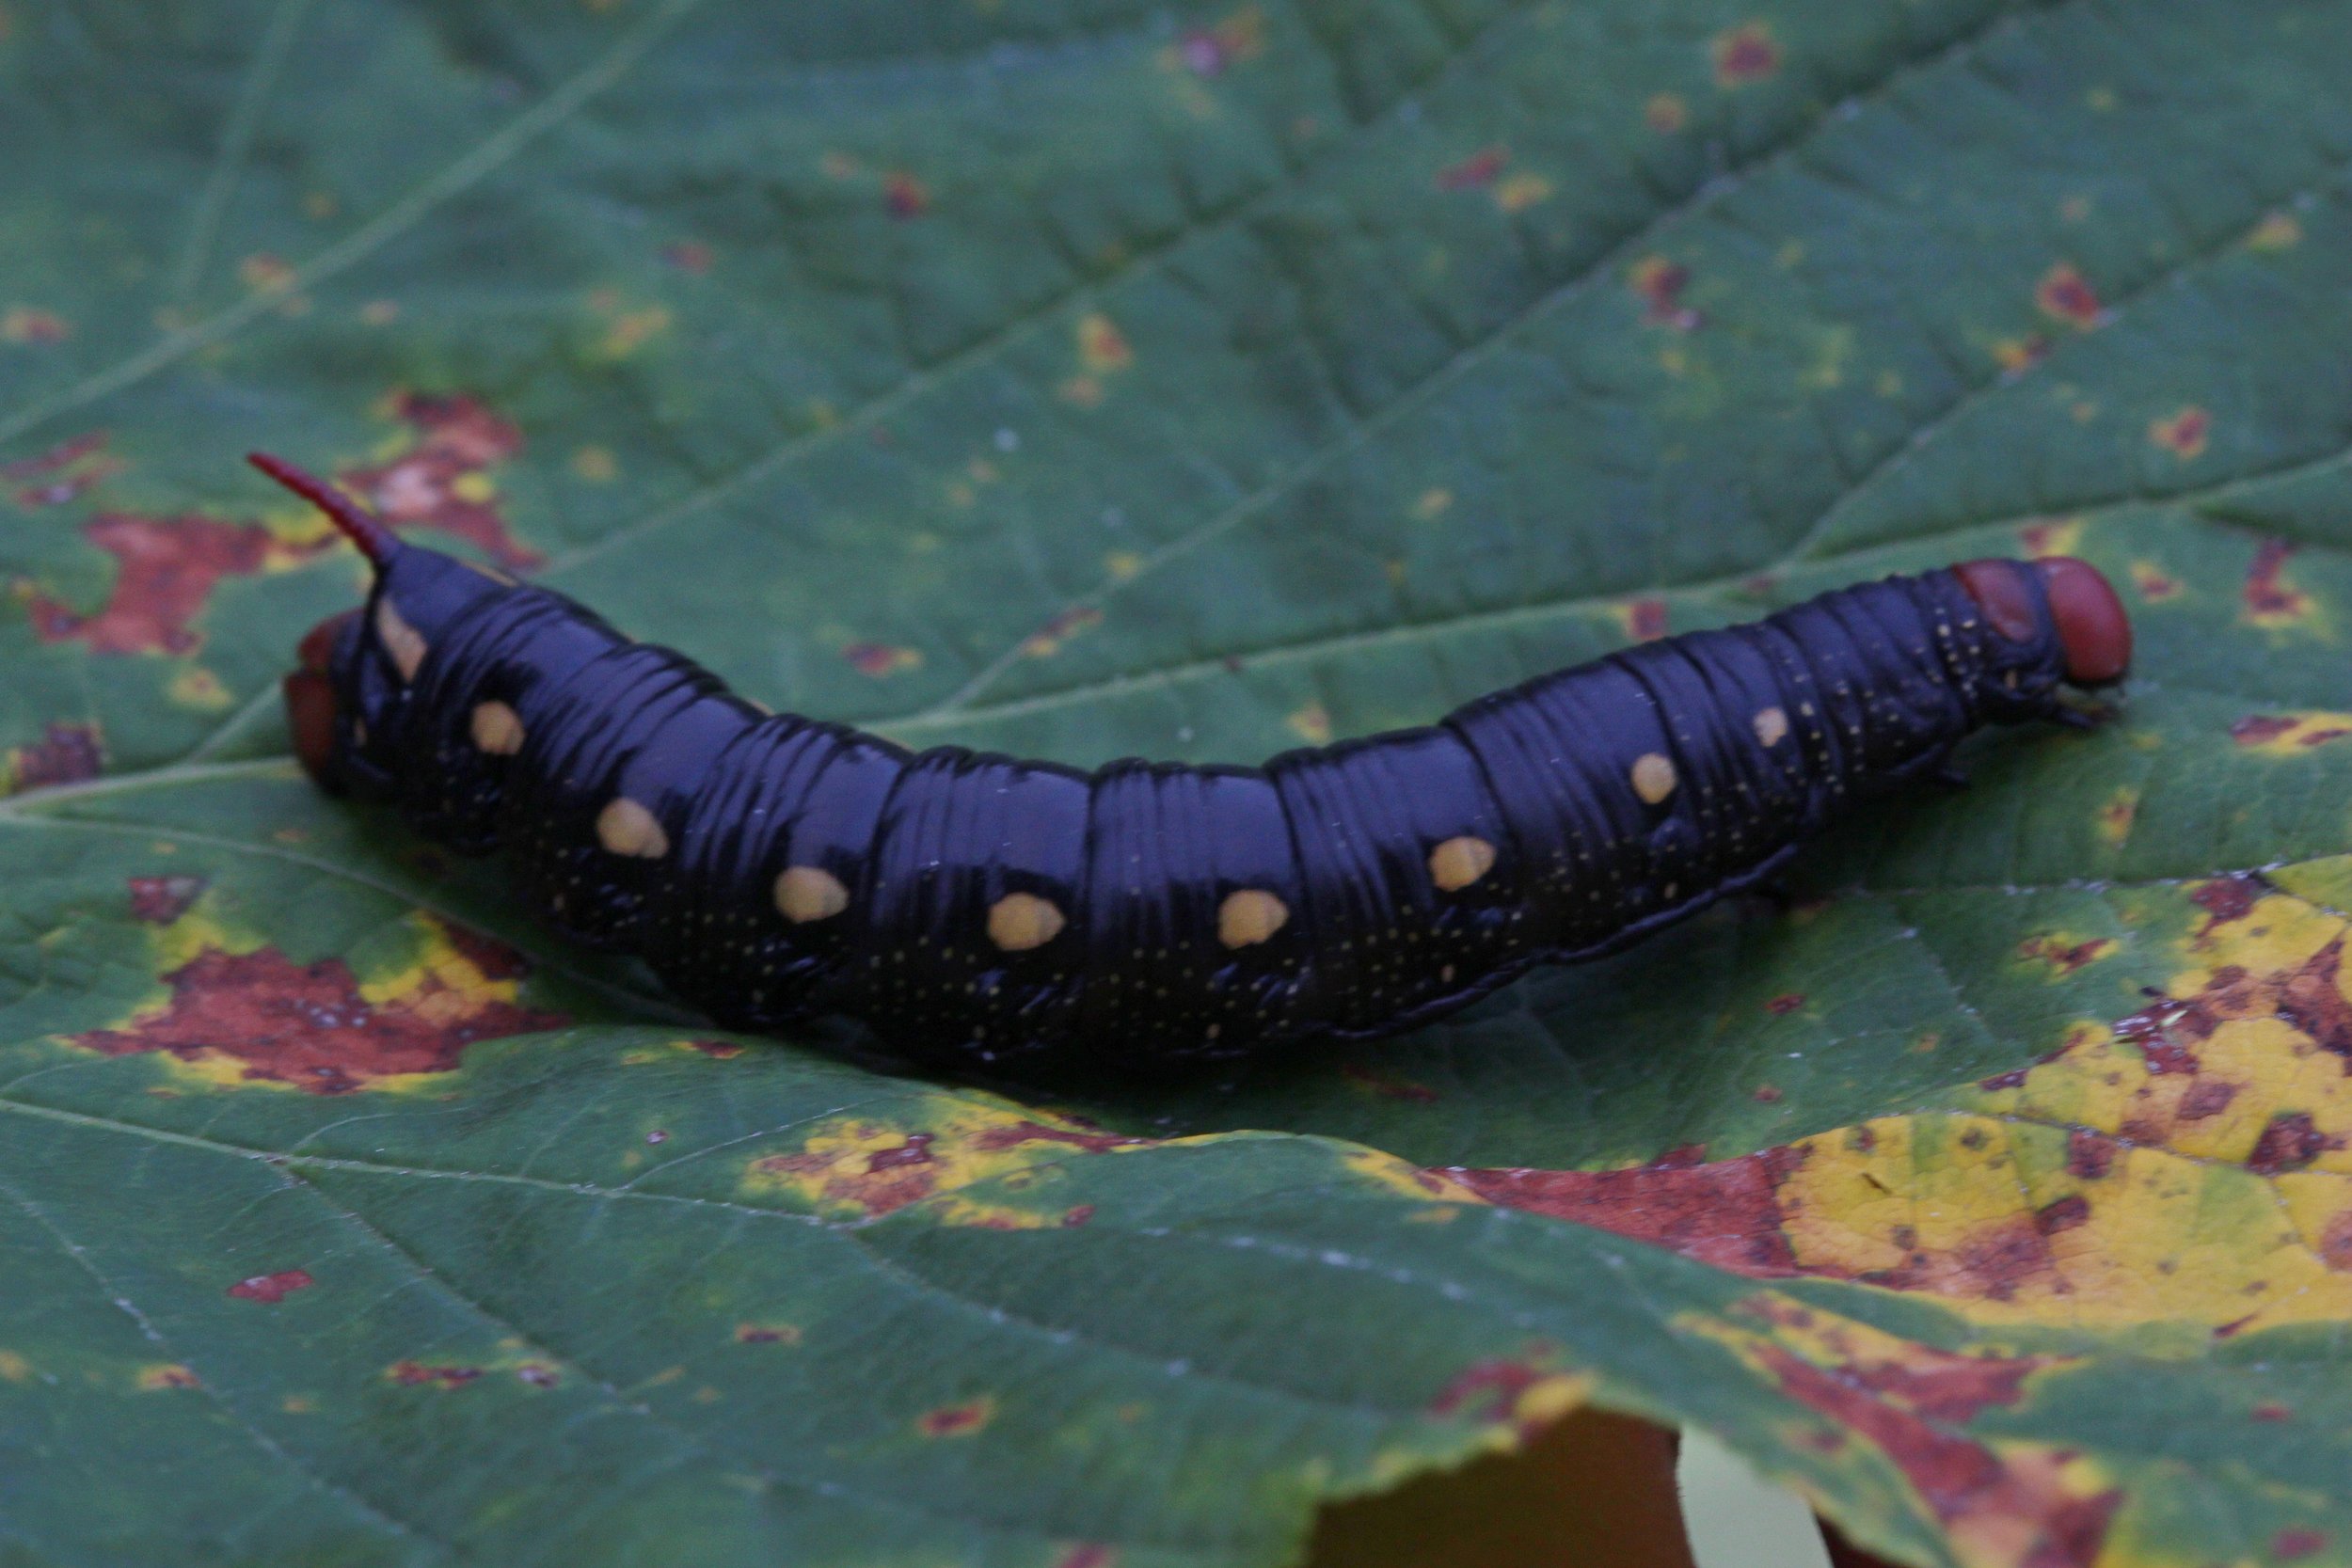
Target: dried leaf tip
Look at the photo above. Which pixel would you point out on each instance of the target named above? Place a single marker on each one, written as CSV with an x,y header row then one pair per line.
x,y
361,526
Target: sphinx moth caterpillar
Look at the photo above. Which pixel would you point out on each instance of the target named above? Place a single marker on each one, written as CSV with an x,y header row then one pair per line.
x,y
971,905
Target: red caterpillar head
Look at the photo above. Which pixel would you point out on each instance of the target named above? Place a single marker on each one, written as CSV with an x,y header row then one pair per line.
x,y
2093,629
351,687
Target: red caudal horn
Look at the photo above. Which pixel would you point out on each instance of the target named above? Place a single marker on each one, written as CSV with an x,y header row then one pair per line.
x,y
2091,626
361,526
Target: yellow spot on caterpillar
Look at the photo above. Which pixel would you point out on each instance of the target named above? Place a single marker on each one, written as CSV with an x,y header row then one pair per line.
x,y
405,642
626,828
496,729
1459,862
1249,916
1771,725
1653,777
805,892
1020,921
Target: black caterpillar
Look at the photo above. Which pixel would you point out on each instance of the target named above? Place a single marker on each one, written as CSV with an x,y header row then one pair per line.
x,y
771,867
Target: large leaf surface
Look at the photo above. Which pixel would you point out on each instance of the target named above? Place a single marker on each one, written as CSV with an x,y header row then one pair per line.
x,y
1102,378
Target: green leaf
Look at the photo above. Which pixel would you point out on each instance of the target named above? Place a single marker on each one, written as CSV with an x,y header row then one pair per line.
x,y
1100,378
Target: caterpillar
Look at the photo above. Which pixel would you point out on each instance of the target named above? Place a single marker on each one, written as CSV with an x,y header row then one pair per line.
x,y
975,907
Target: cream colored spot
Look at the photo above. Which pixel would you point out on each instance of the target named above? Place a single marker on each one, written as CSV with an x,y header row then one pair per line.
x,y
626,828
405,642
1020,921
1249,916
805,892
1653,777
1459,862
498,729
1771,725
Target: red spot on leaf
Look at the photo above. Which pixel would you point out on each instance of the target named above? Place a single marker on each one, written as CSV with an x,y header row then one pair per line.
x,y
2066,296
271,1289
537,1375
1645,619
65,754
2066,958
1746,54
416,1373
308,1025
1786,1003
2269,598
2184,433
881,658
2269,1412
2290,1545
1078,1214
436,483
2153,583
1476,170
1087,1554
1726,1214
1660,283
717,1050
904,196
2014,1078
161,900
688,255
956,1420
1387,1086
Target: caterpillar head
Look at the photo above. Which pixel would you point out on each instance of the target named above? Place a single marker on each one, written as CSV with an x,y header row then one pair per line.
x,y
349,696
2093,632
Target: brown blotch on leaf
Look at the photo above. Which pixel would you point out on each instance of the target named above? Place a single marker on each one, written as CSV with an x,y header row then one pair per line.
x,y
65,754
161,900
166,568
308,1025
2064,1214
2089,1155
1726,1214
1975,1490
435,485
2290,1141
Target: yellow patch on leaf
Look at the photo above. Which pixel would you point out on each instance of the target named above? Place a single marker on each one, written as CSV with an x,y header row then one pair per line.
x,y
860,1168
2050,536
2188,1164
1313,724
2290,734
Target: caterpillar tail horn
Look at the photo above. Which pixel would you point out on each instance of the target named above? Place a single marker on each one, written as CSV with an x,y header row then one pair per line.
x,y
376,542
